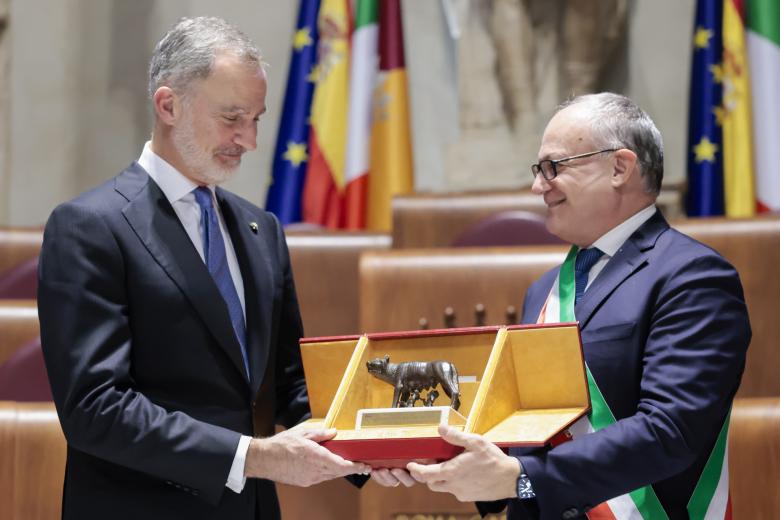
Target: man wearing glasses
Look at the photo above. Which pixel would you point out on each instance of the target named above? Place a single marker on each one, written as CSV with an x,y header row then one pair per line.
x,y
664,330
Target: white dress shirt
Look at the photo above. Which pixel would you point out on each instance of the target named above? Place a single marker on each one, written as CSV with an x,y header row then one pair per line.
x,y
178,189
613,240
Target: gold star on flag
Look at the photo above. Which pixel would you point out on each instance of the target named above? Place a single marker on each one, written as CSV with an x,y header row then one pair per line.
x,y
717,72
720,115
314,74
705,150
302,38
702,37
296,153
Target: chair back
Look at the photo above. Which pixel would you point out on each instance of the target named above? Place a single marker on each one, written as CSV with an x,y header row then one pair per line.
x,y
508,228
23,376
21,281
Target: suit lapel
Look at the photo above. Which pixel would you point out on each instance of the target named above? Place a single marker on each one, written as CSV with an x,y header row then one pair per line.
x,y
153,219
630,258
252,252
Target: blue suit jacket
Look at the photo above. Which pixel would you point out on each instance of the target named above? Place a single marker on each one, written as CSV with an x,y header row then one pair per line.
x,y
146,371
665,331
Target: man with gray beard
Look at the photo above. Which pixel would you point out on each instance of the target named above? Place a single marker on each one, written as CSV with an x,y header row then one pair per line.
x,y
169,320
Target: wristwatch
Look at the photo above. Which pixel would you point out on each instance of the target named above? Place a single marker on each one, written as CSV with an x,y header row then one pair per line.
x,y
524,488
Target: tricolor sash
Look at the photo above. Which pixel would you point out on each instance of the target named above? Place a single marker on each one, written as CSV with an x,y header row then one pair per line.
x,y
710,499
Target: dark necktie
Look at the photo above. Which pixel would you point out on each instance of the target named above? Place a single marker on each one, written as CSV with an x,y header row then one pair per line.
x,y
216,261
585,260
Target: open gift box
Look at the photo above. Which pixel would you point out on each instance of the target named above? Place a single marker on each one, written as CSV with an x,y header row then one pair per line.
x,y
520,385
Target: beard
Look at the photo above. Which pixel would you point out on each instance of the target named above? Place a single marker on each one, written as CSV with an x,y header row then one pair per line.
x,y
199,161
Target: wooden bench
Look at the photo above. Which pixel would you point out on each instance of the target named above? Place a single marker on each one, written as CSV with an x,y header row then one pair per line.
x,y
753,248
18,325
18,244
398,288
32,450
754,457
325,267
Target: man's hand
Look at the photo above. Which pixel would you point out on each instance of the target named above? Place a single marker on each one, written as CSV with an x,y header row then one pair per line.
x,y
482,472
391,477
295,457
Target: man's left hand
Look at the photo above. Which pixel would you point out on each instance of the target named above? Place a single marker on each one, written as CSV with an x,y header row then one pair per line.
x,y
482,472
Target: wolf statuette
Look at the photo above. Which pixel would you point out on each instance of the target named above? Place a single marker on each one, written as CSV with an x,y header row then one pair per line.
x,y
411,378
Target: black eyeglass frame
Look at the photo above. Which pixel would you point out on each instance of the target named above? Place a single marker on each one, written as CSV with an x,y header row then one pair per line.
x,y
538,168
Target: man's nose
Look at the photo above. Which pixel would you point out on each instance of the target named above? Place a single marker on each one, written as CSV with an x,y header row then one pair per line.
x,y
247,136
540,185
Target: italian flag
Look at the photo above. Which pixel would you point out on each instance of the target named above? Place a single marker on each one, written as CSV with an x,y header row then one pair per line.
x,y
362,79
763,44
710,499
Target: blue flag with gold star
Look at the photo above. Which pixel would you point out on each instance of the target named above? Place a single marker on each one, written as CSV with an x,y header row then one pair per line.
x,y
291,154
705,133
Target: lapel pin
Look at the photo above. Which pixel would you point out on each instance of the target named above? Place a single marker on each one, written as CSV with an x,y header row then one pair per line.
x,y
253,227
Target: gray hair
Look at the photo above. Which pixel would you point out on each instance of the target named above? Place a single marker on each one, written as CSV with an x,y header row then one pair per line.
x,y
619,123
188,50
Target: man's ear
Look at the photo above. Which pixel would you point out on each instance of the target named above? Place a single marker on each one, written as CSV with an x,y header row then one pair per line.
x,y
625,167
167,105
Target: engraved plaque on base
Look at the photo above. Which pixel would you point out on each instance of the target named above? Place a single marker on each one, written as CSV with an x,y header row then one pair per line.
x,y
400,417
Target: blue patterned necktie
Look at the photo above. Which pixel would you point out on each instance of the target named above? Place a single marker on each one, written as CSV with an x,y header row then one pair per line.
x,y
585,260
216,261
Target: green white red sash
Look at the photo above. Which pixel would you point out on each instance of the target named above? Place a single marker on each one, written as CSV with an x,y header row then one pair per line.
x,y
710,499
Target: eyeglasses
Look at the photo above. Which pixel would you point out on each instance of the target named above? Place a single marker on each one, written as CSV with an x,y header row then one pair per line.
x,y
549,167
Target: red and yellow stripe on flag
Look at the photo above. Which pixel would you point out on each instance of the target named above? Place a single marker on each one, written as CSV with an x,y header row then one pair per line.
x,y
391,147
735,115
322,199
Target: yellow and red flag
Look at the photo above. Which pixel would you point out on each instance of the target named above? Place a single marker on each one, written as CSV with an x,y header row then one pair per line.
x,y
328,135
738,189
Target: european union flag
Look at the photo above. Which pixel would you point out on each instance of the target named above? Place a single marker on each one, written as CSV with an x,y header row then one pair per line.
x,y
291,154
705,135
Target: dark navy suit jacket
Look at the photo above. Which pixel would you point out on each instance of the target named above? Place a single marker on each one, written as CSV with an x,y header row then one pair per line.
x,y
146,371
665,331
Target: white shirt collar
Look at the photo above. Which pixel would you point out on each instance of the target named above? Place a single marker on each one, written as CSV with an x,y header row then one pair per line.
x,y
173,184
613,239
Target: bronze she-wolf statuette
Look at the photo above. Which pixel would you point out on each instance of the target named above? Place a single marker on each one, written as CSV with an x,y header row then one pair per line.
x,y
411,378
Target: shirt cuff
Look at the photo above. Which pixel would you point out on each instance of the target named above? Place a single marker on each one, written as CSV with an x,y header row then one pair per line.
x,y
236,479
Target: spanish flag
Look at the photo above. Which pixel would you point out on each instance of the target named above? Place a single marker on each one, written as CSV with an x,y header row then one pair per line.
x,y
323,191
736,115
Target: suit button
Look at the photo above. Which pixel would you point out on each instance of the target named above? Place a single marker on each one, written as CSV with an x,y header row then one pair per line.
x,y
572,512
